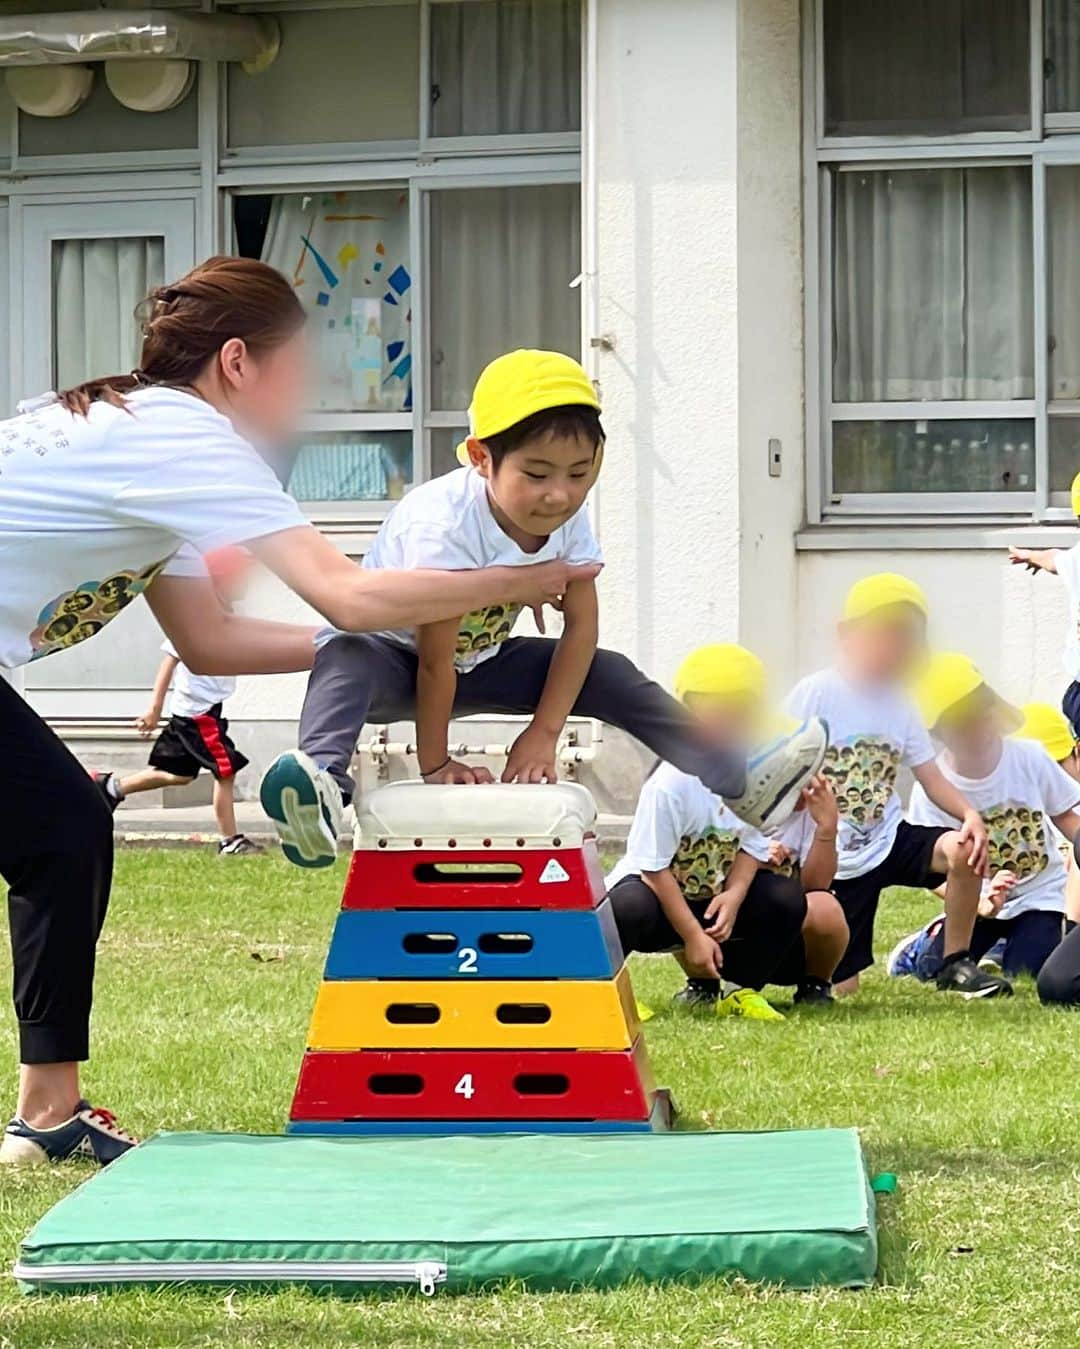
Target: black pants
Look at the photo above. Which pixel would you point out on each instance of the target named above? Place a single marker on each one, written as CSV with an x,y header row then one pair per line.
x,y
1059,978
365,678
765,946
1030,939
56,854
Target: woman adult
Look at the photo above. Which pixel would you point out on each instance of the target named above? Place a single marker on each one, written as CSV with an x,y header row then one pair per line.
x,y
114,489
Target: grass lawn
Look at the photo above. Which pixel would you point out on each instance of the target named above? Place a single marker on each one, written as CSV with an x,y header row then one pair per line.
x,y
207,973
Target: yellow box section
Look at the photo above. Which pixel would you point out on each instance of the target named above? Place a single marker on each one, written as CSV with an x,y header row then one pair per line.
x,y
351,1014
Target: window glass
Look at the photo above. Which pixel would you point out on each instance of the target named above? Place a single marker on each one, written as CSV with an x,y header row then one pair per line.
x,y
444,443
97,287
343,75
352,466
926,67
1063,288
1064,441
932,282
505,66
347,253
934,456
502,260
1061,20
102,125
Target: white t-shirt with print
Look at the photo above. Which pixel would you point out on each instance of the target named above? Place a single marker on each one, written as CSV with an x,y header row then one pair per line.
x,y
1068,568
873,729
447,524
93,508
193,694
680,824
1017,801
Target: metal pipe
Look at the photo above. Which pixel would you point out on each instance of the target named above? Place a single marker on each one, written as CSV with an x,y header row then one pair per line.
x,y
154,34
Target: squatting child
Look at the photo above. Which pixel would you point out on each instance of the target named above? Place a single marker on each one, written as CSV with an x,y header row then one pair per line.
x,y
533,453
196,735
695,878
874,728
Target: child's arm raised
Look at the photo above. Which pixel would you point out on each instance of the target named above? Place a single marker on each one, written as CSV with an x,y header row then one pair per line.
x,y
701,955
532,755
436,684
150,718
953,802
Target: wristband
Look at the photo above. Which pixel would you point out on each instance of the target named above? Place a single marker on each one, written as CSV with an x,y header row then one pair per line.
x,y
437,769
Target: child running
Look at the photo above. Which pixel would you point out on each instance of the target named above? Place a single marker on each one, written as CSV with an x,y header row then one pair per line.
x,y
693,880
1026,801
534,451
874,729
197,733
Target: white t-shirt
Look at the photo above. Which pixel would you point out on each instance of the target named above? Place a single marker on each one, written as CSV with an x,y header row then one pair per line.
x,y
193,694
447,524
797,834
872,731
1068,568
1017,801
93,508
679,824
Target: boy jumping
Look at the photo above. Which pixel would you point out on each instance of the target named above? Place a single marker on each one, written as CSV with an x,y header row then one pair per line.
x,y
533,453
875,728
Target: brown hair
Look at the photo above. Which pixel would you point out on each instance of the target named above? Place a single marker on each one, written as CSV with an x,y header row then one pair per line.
x,y
185,325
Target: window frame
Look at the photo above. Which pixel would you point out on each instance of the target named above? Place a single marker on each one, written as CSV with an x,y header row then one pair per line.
x,y
1053,140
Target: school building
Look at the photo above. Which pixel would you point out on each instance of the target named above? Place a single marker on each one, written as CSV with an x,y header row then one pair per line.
x,y
821,257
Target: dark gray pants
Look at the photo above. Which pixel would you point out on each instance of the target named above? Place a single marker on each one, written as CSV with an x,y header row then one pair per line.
x,y
366,678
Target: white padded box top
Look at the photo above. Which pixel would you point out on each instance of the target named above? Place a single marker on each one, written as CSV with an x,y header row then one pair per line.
x,y
493,814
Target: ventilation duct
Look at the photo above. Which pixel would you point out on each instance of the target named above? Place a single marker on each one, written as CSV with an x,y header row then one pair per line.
x,y
103,35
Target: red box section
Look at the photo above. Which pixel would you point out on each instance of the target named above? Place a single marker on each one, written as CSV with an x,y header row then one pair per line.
x,y
475,1084
402,879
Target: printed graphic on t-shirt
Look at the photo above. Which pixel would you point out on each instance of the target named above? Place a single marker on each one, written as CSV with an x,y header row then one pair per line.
x,y
862,770
486,628
702,861
1017,839
77,614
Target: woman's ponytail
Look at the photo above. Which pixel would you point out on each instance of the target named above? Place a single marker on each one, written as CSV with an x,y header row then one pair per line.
x,y
185,325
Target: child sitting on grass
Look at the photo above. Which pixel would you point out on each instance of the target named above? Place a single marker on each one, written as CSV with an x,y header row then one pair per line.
x,y
1023,796
197,733
694,878
873,729
1053,730
534,451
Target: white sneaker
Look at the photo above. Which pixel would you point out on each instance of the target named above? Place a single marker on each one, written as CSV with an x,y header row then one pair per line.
x,y
304,803
777,773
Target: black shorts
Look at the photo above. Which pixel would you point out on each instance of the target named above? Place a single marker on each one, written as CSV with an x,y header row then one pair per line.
x,y
909,863
765,946
188,744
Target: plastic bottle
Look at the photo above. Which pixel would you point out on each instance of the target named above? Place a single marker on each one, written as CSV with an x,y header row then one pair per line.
x,y
938,475
1025,468
1007,477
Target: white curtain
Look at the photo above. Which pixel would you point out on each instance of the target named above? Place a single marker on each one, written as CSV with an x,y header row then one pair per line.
x,y
347,253
926,65
505,66
502,260
933,285
1062,26
97,286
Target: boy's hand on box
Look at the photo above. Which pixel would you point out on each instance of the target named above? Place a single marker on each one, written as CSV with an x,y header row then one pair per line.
x,y
532,757
704,959
458,773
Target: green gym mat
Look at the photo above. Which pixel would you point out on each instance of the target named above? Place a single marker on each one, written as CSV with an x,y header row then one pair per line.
x,y
553,1211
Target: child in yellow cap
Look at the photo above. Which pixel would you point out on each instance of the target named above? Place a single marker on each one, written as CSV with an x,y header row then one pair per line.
x,y
874,729
694,879
1026,799
533,452
1063,562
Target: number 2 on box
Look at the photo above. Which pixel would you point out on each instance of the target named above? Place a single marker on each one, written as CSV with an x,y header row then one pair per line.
x,y
466,960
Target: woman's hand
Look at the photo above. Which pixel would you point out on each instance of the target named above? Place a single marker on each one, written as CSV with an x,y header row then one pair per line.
x,y
545,583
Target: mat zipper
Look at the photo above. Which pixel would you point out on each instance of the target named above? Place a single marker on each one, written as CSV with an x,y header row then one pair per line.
x,y
426,1274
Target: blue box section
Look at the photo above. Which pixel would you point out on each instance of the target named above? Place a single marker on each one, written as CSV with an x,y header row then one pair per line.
x,y
433,1127
474,944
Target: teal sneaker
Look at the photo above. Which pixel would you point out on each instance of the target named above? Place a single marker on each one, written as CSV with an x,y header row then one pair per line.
x,y
304,803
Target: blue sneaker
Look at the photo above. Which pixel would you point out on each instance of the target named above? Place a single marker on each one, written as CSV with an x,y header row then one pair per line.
x,y
304,803
908,958
93,1134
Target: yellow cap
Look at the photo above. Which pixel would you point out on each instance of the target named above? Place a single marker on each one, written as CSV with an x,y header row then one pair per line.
x,y
723,670
1076,495
948,680
520,383
884,590
1050,727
